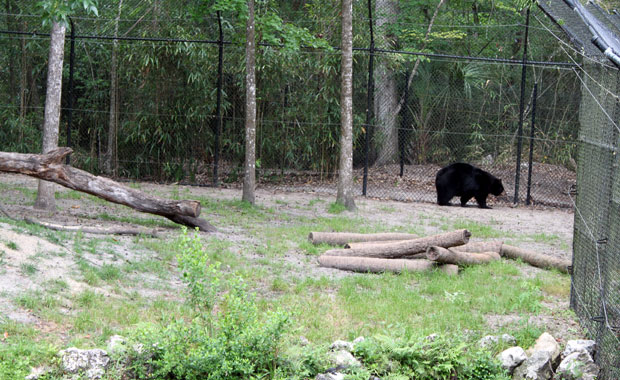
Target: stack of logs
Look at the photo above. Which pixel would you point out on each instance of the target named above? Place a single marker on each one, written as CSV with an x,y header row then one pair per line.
x,y
396,252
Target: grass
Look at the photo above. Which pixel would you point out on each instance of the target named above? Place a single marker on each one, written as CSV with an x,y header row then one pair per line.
x,y
122,290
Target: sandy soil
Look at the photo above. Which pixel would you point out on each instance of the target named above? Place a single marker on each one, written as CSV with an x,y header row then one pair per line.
x,y
55,262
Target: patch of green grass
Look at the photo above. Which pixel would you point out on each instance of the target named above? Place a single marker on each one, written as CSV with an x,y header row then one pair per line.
x,y
388,209
412,303
22,350
477,229
316,201
12,245
147,222
336,208
70,194
278,284
37,301
28,269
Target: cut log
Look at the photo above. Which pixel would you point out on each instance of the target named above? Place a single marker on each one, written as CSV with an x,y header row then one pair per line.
x,y
480,246
342,238
375,265
406,247
50,168
535,259
367,244
451,256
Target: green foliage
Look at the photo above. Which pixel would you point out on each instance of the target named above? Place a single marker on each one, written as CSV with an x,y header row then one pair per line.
x,y
60,10
228,339
427,359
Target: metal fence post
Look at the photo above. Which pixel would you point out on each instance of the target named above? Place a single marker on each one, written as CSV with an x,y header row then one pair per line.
x,y
521,109
218,108
529,166
403,126
70,91
369,98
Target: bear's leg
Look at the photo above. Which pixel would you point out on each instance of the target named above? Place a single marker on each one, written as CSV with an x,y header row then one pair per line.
x,y
465,199
482,201
443,197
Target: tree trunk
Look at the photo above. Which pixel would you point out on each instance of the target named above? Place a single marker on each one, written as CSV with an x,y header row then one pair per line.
x,y
386,94
451,256
407,247
342,238
345,172
375,265
49,167
45,195
110,159
249,178
535,259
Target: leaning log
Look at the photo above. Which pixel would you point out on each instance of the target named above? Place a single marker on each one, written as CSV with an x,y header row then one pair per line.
x,y
480,246
451,256
407,247
375,265
535,259
342,238
49,167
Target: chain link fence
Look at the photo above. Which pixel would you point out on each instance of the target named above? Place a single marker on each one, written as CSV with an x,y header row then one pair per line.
x,y
595,291
179,116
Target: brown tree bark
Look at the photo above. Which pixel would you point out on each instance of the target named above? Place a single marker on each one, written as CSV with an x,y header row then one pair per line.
x,y
45,195
480,246
451,256
342,238
407,247
249,178
110,159
535,259
345,171
376,265
49,167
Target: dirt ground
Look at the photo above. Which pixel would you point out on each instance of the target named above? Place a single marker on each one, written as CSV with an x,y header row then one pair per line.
x,y
554,226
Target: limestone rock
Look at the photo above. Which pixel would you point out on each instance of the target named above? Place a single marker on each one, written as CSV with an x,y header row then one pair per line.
x,y
303,341
357,340
491,340
512,357
329,376
341,345
546,342
36,373
577,365
578,345
536,367
116,344
91,363
343,358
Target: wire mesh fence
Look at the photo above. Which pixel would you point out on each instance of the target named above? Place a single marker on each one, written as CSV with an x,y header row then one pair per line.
x,y
414,112
595,291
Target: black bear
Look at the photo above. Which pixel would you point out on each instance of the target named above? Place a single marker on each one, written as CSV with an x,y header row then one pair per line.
x,y
466,181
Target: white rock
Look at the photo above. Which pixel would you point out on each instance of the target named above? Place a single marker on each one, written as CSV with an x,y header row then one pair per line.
x,y
303,341
577,365
341,345
546,342
536,367
91,362
359,339
578,345
512,357
491,340
116,344
329,376
344,358
36,372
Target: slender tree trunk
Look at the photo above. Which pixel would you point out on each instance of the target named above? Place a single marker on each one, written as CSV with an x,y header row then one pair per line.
x,y
345,172
45,196
110,161
386,96
249,179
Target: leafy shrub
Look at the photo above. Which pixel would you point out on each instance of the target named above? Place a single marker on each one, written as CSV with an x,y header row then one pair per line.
x,y
228,339
426,359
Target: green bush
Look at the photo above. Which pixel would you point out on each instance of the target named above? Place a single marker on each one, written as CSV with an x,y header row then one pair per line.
x,y
427,359
228,338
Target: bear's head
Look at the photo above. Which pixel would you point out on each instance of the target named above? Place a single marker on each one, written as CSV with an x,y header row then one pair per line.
x,y
496,187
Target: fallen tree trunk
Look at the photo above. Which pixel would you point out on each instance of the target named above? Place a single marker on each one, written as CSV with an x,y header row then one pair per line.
x,y
480,246
50,168
536,259
342,238
375,265
406,247
451,256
